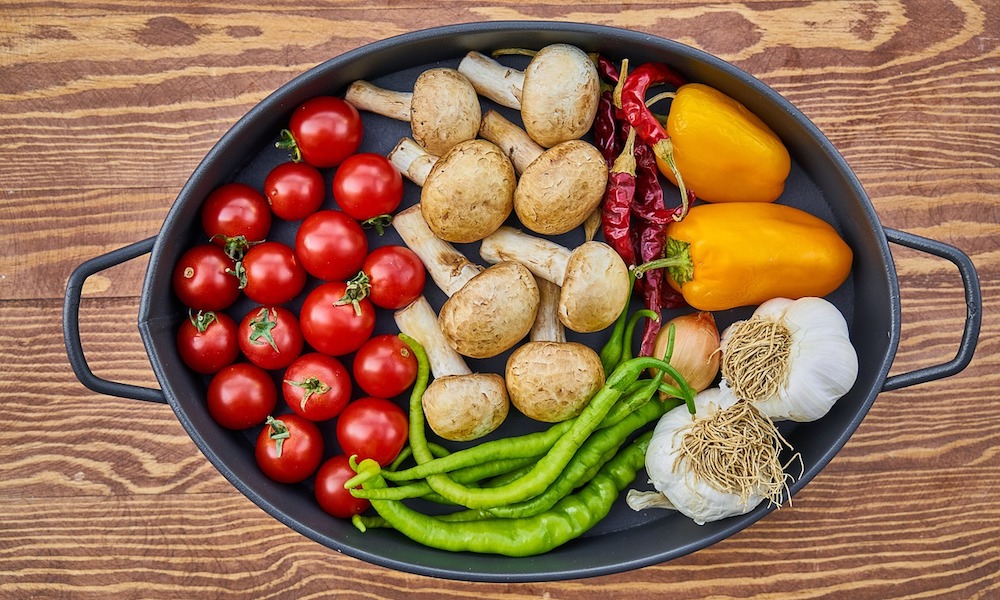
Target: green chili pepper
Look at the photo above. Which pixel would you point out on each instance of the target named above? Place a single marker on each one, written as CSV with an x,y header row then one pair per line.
x,y
633,321
524,446
469,475
597,450
527,536
611,352
548,468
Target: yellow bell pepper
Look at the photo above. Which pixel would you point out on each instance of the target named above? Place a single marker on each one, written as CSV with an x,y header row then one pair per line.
x,y
724,152
734,254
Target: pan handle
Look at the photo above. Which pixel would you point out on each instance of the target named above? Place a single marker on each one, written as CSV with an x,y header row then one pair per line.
x,y
973,305
71,324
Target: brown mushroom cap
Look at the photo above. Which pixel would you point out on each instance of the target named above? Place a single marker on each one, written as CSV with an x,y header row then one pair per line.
x,y
469,192
492,312
444,110
560,94
465,407
561,188
553,381
595,288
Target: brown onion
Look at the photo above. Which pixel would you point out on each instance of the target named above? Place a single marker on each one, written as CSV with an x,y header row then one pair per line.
x,y
696,348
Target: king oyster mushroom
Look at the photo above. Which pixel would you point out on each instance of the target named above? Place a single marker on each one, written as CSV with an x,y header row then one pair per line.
x,y
594,279
487,311
443,108
465,194
558,188
557,93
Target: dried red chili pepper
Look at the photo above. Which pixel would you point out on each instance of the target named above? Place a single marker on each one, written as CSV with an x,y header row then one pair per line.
x,y
652,218
607,69
616,218
606,128
632,96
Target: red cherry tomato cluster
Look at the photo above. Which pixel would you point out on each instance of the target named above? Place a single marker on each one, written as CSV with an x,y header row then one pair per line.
x,y
308,339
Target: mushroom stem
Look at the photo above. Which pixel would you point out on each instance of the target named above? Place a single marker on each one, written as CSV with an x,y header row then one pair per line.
x,y
493,80
366,96
544,258
419,321
514,141
412,160
448,267
547,327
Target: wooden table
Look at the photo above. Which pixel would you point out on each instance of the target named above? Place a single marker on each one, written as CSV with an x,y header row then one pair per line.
x,y
107,108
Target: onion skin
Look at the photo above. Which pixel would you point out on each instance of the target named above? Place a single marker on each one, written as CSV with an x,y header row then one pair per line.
x,y
696,349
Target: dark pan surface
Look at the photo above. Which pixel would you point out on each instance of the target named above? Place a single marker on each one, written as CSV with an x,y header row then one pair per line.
x,y
821,183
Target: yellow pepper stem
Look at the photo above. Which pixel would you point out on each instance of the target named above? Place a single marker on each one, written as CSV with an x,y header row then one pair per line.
x,y
676,259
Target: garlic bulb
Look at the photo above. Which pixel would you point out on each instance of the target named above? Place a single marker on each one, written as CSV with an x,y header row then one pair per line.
x,y
721,463
793,359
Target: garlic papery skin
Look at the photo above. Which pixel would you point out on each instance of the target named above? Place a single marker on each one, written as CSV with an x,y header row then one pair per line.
x,y
683,489
820,364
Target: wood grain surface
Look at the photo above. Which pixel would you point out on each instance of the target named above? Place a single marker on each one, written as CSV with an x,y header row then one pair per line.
x,y
106,108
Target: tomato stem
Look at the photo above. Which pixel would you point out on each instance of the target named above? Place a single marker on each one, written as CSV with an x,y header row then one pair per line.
x,y
279,433
261,326
358,288
201,319
311,385
287,142
379,223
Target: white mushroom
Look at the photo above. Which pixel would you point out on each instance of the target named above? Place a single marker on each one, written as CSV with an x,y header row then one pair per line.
x,y
459,405
465,194
487,311
557,93
558,188
548,378
593,277
443,108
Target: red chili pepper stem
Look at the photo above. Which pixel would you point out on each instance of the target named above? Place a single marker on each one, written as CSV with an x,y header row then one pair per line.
x,y
620,84
625,163
664,150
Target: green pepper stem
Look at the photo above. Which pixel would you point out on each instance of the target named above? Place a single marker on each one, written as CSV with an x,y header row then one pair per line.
x,y
677,260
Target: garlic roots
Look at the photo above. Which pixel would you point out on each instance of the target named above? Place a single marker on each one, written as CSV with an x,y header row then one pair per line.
x,y
793,359
722,463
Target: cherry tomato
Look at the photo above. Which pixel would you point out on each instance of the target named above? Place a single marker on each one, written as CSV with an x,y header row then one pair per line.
x,y
316,386
289,449
206,341
204,279
294,190
272,273
373,428
241,396
385,366
332,327
270,337
330,492
331,245
234,216
367,185
323,131
396,276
